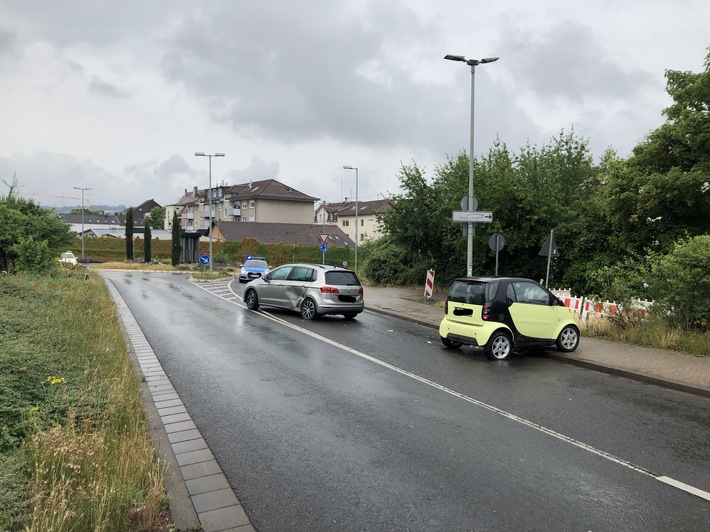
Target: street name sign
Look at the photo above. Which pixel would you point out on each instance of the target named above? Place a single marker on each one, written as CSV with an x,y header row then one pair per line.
x,y
473,216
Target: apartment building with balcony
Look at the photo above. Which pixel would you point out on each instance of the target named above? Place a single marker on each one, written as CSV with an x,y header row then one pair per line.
x,y
266,201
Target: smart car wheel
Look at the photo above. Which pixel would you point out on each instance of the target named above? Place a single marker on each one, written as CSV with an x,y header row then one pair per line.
x,y
499,346
451,344
308,309
252,300
568,340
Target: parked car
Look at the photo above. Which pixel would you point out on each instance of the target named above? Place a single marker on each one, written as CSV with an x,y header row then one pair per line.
x,y
68,258
311,289
253,268
501,314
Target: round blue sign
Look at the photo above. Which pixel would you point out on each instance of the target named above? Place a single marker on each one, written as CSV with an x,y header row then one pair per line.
x,y
323,247
204,259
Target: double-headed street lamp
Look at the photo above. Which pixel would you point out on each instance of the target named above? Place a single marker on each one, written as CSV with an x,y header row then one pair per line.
x,y
82,219
471,202
210,155
356,211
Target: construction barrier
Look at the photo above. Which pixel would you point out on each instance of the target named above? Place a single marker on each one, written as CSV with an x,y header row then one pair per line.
x,y
429,286
586,307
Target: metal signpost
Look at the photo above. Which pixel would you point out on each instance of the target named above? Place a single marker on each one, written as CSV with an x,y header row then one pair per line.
x,y
323,237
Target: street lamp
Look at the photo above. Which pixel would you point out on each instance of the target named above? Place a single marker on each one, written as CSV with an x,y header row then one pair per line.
x,y
471,207
82,219
210,155
356,211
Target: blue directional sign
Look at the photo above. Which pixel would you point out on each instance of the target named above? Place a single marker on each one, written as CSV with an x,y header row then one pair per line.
x,y
323,247
204,259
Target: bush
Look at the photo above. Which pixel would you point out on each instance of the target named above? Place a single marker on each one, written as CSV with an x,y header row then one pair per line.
x,y
680,284
385,263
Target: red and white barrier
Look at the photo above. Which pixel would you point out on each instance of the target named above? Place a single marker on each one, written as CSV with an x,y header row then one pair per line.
x,y
429,286
586,307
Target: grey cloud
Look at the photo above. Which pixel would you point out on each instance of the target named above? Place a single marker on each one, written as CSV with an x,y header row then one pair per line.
x,y
568,62
99,23
257,170
285,74
103,88
8,42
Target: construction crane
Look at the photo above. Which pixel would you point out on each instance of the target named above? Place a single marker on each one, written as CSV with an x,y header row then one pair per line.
x,y
59,196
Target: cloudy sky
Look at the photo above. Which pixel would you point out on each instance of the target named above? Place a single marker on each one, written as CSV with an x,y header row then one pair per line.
x,y
117,96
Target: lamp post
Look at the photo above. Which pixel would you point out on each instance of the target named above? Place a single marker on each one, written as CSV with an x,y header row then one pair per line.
x,y
209,193
357,225
471,207
82,219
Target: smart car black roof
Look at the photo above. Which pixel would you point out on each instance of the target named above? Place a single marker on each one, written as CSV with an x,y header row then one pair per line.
x,y
494,278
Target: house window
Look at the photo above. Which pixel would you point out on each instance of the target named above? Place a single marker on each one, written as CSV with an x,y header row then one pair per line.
x,y
251,204
346,223
245,204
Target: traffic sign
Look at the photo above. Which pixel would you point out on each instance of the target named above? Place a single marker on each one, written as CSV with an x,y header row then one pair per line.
x,y
204,259
496,242
323,237
473,216
323,247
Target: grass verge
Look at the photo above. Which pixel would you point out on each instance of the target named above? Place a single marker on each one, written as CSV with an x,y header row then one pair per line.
x,y
75,446
652,332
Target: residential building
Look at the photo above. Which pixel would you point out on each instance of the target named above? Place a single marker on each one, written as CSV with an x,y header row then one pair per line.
x,y
343,215
266,201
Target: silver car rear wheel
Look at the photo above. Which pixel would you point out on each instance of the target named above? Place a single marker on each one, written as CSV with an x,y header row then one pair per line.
x,y
308,309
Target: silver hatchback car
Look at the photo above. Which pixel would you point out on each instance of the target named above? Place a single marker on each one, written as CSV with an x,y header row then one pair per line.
x,y
311,289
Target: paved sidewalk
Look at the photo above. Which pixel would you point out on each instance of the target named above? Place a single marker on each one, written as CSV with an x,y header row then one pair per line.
x,y
657,366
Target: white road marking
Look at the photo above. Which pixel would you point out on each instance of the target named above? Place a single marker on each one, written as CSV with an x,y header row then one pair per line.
x,y
531,424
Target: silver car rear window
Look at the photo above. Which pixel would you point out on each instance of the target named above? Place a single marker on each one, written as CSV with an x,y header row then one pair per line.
x,y
341,278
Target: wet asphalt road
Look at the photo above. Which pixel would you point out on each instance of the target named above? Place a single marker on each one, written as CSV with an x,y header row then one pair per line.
x,y
371,425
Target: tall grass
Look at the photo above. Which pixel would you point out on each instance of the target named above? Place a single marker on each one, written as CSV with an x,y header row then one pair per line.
x,y
652,332
74,440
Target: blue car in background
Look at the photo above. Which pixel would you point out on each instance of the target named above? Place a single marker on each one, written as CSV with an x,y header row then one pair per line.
x,y
253,268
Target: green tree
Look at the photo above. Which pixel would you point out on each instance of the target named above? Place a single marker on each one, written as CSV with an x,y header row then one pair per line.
x,y
129,233
176,246
79,210
31,237
147,236
156,218
662,193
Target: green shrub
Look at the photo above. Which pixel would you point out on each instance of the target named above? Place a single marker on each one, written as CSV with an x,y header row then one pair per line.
x,y
680,284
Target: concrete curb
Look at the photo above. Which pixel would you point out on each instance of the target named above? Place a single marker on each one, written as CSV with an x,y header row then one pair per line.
x,y
200,495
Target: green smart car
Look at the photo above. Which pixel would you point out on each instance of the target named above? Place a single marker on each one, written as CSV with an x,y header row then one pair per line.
x,y
501,314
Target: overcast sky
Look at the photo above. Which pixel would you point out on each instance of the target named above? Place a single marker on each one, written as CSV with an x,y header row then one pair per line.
x,y
117,96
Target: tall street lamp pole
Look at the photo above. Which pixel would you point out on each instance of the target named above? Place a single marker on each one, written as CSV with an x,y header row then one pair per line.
x,y
209,194
471,202
82,219
357,224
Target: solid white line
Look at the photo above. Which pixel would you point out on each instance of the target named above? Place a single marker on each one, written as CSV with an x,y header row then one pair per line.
x,y
685,487
531,424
